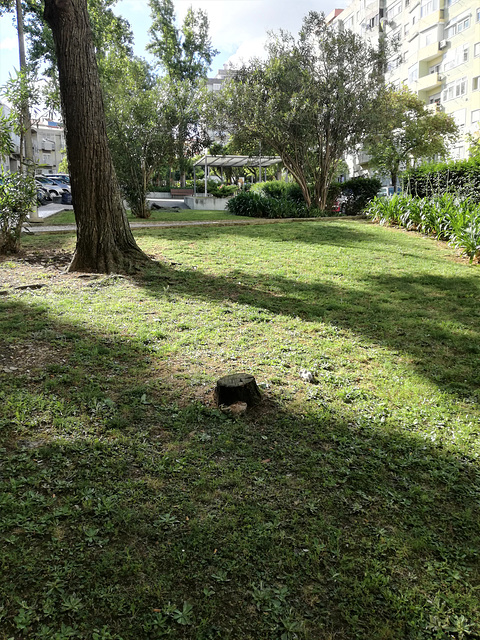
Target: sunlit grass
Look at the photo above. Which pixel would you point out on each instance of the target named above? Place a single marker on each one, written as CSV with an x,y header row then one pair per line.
x,y
348,508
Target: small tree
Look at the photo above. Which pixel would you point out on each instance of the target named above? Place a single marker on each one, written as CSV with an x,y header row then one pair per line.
x,y
17,197
185,55
311,101
407,131
22,93
140,121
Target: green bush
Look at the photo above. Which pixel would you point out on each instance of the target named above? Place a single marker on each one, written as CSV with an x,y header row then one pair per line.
x,y
293,192
279,189
272,188
248,203
18,195
258,205
447,217
357,191
461,177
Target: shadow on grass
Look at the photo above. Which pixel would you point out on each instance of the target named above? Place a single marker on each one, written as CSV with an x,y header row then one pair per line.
x,y
325,231
121,509
432,319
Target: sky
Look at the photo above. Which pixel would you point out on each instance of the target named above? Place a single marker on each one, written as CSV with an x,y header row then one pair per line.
x,y
238,28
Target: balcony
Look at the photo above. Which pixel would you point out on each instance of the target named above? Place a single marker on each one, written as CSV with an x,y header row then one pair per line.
x,y
430,20
429,82
429,52
434,107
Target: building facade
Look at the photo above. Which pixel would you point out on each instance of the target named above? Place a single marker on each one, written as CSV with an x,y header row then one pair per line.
x,y
48,140
435,52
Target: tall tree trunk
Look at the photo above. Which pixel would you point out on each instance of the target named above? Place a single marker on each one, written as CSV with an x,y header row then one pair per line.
x,y
105,243
27,121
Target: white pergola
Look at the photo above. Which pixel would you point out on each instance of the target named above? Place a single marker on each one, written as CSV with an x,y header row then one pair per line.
x,y
223,162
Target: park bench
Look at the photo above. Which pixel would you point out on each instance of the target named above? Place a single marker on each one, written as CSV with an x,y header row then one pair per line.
x,y
181,192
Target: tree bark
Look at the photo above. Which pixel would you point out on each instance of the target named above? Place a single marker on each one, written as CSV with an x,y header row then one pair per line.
x,y
105,243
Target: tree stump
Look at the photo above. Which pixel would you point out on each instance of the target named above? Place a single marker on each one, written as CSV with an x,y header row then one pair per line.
x,y
239,387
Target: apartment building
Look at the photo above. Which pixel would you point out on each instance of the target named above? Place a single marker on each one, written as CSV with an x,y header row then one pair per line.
x,y
48,141
435,52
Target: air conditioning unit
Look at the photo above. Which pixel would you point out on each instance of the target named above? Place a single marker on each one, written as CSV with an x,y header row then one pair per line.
x,y
443,44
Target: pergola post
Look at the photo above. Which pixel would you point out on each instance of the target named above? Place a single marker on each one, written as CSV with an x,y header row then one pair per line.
x,y
206,170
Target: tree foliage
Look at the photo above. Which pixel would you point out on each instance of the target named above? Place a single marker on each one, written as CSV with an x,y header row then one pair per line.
x,y
186,53
17,197
140,122
109,31
22,93
407,131
311,101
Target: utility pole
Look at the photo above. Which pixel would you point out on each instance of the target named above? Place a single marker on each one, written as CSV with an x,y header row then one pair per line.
x,y
27,120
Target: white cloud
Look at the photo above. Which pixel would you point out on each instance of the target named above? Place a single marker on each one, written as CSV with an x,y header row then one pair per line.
x,y
254,48
238,28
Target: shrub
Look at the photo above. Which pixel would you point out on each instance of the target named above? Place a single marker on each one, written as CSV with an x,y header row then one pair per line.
x,y
273,188
358,192
293,192
446,217
280,189
461,177
18,195
248,203
258,205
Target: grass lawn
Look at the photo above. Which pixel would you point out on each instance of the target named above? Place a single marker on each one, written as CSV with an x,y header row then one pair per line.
x,y
133,508
165,215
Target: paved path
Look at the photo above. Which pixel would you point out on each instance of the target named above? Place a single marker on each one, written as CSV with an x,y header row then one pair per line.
x,y
68,228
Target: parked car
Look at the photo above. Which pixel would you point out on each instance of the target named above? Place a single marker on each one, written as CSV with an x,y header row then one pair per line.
x,y
66,198
387,192
42,196
55,189
340,205
64,177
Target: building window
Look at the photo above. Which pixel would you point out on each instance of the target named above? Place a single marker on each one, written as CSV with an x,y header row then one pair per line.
x,y
475,116
428,6
460,117
394,11
458,27
413,74
476,49
455,89
429,36
476,83
478,14
455,57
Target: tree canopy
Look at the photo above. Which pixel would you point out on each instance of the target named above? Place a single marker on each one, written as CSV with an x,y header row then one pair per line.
x,y
311,101
407,130
186,53
141,116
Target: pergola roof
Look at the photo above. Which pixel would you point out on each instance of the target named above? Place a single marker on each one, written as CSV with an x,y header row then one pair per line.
x,y
237,161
